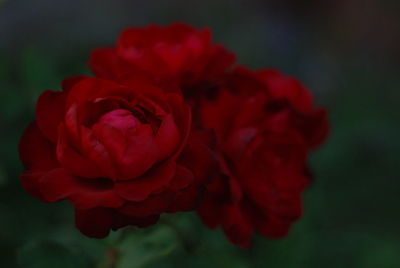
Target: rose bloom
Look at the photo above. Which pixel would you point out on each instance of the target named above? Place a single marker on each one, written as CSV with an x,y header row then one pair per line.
x,y
114,152
265,124
177,52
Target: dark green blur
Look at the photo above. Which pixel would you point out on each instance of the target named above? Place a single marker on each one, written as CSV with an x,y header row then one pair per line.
x,y
345,51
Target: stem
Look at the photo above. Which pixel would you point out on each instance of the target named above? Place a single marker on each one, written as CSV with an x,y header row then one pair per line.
x,y
110,259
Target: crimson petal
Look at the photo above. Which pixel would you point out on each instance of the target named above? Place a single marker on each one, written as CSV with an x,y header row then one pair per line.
x,y
140,189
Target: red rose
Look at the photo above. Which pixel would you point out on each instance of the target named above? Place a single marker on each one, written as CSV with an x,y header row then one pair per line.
x,y
114,152
123,148
174,51
265,125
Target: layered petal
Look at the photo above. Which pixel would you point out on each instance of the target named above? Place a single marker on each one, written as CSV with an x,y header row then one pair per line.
x,y
73,159
33,144
132,154
139,189
50,109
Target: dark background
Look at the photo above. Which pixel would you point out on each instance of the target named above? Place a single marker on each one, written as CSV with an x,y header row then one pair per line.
x,y
346,51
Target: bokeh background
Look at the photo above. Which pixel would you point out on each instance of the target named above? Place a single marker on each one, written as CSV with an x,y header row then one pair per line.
x,y
346,51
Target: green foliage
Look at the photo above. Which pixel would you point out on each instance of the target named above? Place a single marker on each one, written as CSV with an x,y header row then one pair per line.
x,y
48,255
139,249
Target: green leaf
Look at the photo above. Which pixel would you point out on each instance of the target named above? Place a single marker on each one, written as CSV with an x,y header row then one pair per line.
x,y
141,248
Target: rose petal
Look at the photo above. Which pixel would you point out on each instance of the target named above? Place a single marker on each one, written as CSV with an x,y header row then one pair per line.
x,y
167,137
58,184
200,160
96,151
73,160
132,155
152,205
69,82
183,177
182,117
90,89
50,109
30,182
91,193
237,227
141,188
104,62
210,211
35,151
96,222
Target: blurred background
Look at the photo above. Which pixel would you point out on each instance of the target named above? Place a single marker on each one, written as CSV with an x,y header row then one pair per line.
x,y
346,51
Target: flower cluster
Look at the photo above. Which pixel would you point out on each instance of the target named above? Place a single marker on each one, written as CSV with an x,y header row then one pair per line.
x,y
170,123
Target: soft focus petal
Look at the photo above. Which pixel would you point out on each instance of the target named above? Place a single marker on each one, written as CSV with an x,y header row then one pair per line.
x,y
104,62
237,226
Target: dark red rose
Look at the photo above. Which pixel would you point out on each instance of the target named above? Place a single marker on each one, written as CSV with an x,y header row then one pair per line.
x,y
265,124
123,147
114,152
177,51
